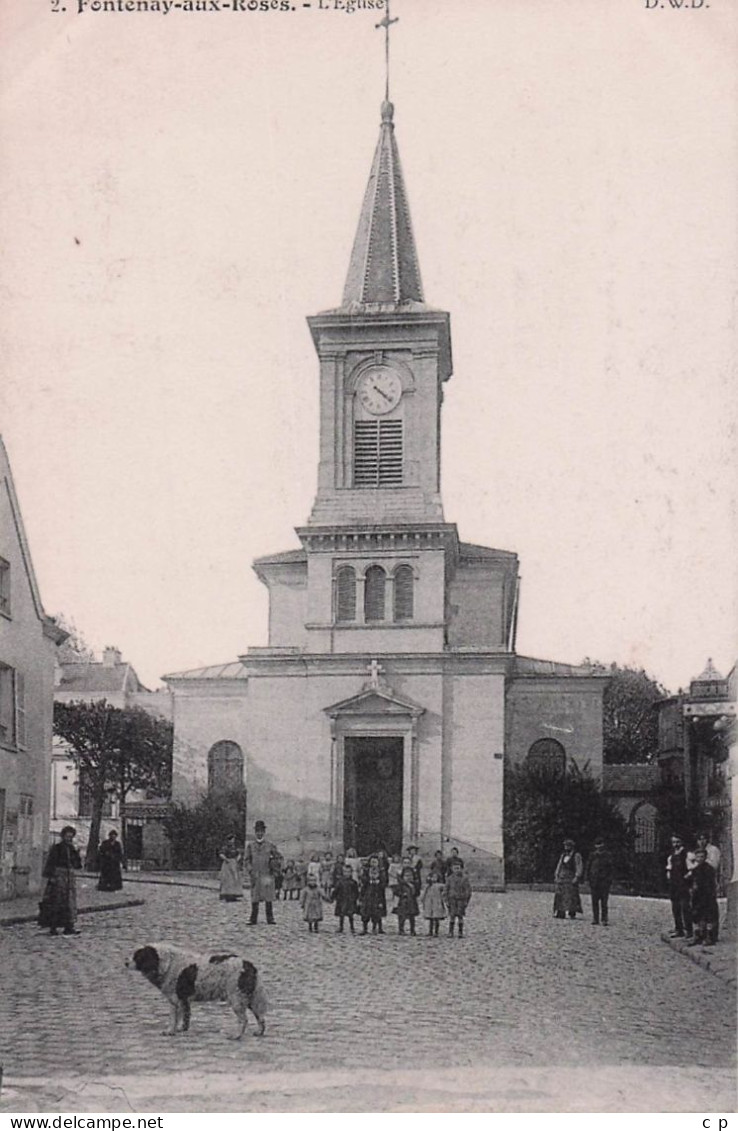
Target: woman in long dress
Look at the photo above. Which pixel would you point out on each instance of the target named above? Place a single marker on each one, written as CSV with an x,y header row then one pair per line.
x,y
110,856
231,881
567,877
59,904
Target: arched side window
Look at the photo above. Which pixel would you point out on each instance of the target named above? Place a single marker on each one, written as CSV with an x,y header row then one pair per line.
x,y
547,754
403,593
346,593
225,767
374,593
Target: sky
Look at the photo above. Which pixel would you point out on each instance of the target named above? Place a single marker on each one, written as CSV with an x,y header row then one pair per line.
x,y
180,191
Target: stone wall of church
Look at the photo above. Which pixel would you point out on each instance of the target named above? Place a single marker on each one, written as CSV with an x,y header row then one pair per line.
x,y
474,735
204,714
288,607
477,614
567,710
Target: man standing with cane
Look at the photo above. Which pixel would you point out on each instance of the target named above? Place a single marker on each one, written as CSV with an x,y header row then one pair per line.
x,y
261,861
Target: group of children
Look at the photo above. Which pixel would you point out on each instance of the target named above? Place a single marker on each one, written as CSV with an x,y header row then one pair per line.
x,y
358,889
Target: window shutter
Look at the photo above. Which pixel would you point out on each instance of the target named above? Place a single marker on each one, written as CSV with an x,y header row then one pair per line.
x,y
403,593
374,586
7,704
4,587
20,709
346,594
378,453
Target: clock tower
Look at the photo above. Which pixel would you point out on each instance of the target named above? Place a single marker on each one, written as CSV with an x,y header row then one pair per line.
x,y
384,356
378,550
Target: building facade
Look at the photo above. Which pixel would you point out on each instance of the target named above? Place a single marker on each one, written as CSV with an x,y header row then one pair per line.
x,y
389,695
696,736
115,681
28,642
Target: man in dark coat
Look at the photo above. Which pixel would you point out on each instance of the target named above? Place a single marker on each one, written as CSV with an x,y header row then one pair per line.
x,y
599,877
676,874
261,862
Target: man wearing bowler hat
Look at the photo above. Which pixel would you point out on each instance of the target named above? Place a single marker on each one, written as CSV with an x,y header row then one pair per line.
x,y
261,861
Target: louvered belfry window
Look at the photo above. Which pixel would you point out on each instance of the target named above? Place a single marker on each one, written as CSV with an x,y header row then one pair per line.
x,y
377,453
403,593
346,594
374,587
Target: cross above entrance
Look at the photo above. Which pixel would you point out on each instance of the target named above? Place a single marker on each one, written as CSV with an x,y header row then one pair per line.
x,y
375,670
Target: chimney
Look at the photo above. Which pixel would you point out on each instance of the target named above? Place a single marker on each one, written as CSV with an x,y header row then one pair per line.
x,y
111,657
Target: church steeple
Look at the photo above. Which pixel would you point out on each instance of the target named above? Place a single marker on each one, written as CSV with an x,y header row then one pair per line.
x,y
384,264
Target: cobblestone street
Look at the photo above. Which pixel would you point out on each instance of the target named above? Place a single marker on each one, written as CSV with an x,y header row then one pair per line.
x,y
521,990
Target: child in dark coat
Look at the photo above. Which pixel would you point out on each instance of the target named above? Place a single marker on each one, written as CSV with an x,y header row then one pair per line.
x,y
373,898
406,905
702,883
346,897
599,877
457,894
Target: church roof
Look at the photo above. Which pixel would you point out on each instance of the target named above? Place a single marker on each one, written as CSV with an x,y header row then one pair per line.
x,y
233,670
472,551
383,272
283,558
528,665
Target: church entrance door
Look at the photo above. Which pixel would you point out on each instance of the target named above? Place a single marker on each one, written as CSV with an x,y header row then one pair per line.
x,y
372,793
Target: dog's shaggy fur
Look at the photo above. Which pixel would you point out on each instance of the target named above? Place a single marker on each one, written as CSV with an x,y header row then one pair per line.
x,y
184,977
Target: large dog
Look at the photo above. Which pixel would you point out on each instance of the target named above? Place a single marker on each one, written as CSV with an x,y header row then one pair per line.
x,y
184,977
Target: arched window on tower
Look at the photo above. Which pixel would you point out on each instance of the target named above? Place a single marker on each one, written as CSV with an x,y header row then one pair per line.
x,y
403,593
547,755
225,767
346,593
374,593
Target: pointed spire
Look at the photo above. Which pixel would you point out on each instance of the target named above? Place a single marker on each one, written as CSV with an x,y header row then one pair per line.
x,y
384,264
709,674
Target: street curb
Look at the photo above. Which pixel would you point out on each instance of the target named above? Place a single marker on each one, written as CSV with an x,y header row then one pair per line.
x,y
703,959
174,883
17,920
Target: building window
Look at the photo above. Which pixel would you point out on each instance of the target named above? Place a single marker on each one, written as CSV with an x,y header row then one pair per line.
x,y
4,587
20,710
377,453
547,755
374,593
403,593
7,705
346,593
225,767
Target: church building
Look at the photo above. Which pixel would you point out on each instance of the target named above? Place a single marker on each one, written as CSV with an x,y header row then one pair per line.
x,y
390,696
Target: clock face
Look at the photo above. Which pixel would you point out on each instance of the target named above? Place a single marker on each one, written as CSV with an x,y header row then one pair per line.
x,y
379,389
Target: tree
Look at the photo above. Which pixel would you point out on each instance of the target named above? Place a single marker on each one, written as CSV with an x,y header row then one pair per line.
x,y
75,648
542,807
115,750
197,832
630,720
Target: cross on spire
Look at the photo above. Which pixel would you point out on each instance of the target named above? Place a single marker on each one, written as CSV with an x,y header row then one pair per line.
x,y
386,23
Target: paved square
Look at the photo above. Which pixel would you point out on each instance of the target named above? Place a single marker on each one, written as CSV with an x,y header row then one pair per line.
x,y
521,990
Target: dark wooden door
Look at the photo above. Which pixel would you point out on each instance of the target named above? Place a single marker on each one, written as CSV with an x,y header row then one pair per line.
x,y
372,799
